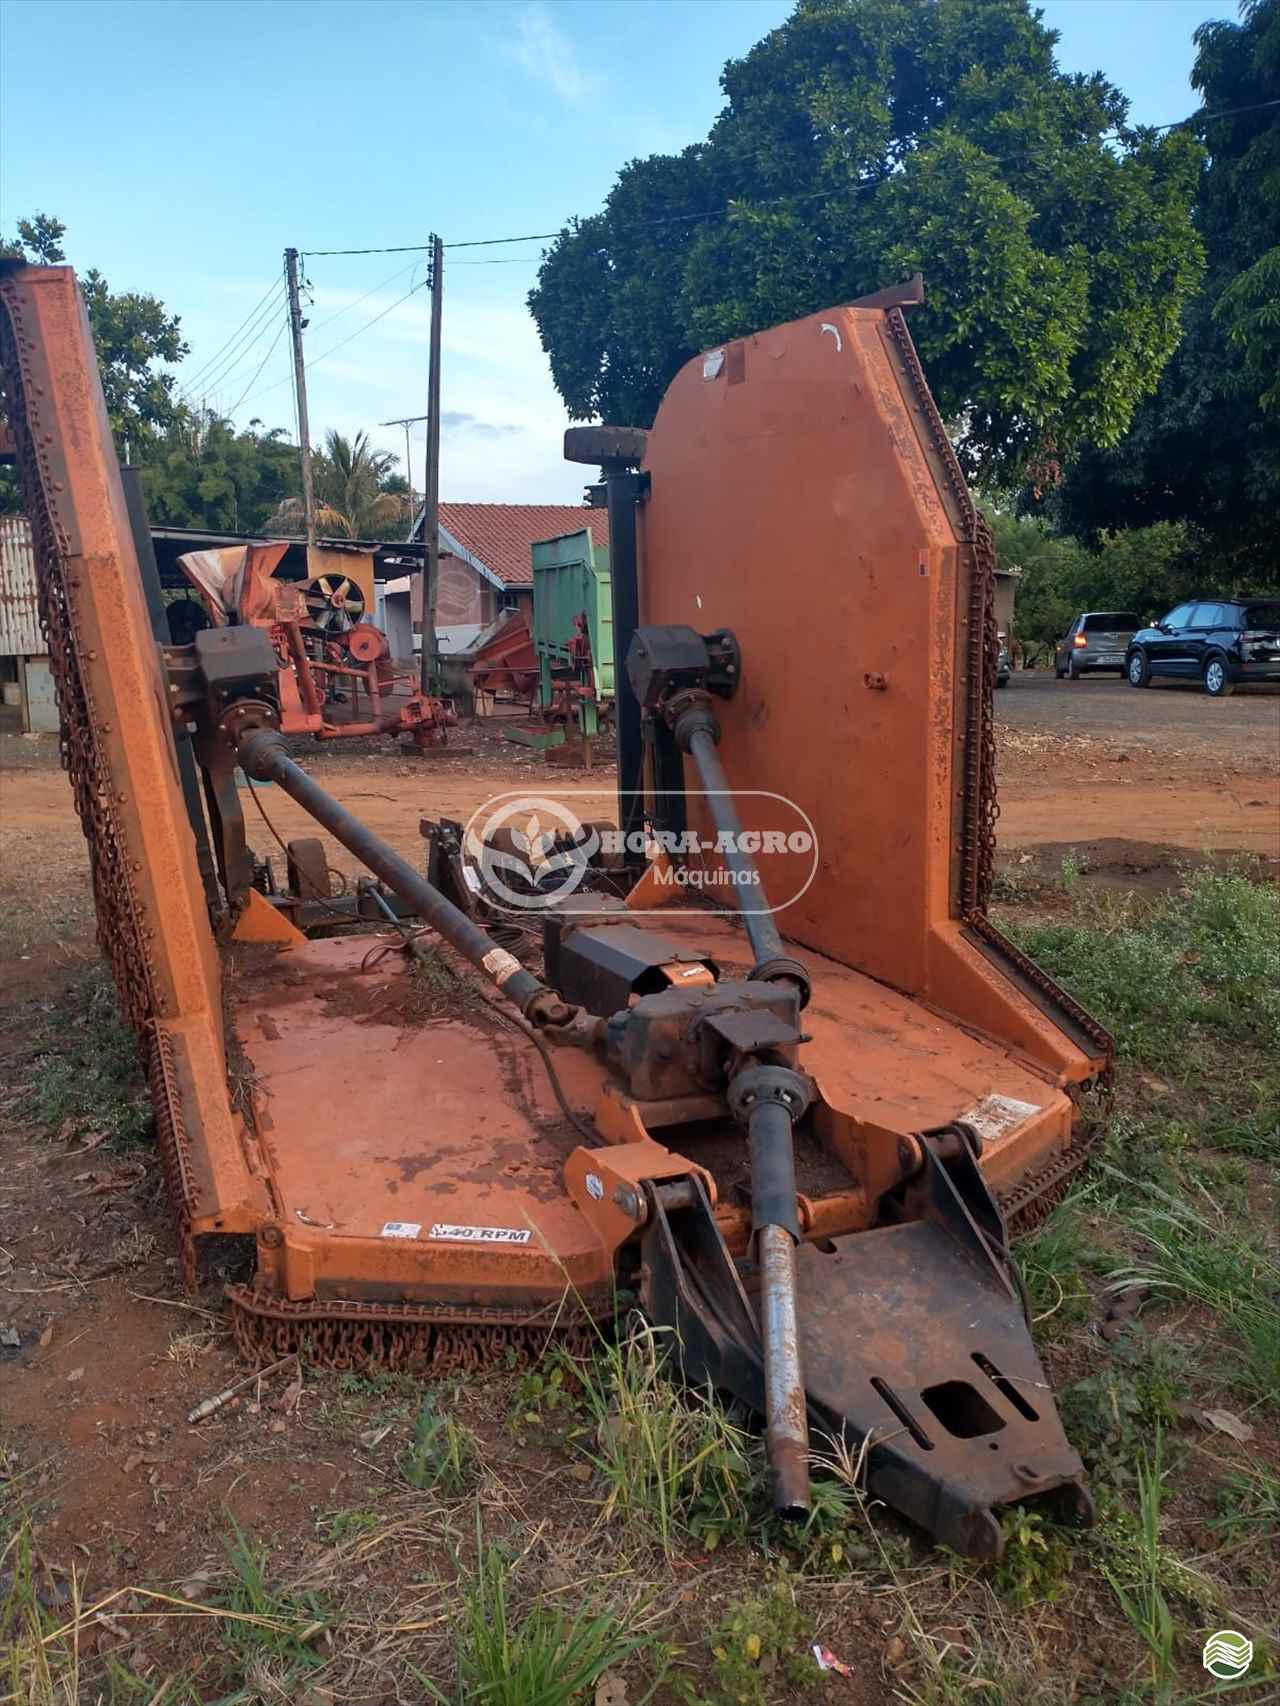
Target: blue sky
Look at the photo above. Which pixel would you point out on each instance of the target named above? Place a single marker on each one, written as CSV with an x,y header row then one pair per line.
x,y
186,142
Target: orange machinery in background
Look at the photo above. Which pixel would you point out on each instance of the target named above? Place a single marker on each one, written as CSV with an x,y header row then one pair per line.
x,y
327,655
799,1138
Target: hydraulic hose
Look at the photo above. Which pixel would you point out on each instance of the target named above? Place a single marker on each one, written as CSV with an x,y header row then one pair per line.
x,y
264,753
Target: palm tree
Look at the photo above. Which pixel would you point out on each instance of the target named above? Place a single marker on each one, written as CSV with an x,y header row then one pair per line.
x,y
348,476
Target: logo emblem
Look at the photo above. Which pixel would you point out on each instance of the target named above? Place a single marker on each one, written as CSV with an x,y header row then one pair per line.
x,y
1227,1654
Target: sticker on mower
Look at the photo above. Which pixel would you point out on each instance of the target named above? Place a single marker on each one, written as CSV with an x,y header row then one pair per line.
x,y
480,1234
995,1115
402,1229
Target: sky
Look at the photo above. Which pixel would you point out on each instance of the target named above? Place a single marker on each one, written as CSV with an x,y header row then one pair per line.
x,y
186,143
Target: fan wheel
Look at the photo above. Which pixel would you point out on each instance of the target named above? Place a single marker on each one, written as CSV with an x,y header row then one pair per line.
x,y
334,604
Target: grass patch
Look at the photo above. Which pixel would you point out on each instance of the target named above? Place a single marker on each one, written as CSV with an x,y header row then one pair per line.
x,y
672,1462
1051,1261
1199,967
1199,1257
441,1456
541,1656
89,1080
271,1623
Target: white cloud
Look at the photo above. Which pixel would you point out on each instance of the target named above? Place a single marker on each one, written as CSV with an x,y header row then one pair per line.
x,y
548,55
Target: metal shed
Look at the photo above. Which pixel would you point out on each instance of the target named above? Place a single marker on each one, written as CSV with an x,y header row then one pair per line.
x,y
24,657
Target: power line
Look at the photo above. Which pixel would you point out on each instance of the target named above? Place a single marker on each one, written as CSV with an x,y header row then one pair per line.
x,y
251,315
341,344
250,329
817,195
275,344
398,273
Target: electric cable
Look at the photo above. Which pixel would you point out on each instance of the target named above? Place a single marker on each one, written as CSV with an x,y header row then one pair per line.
x,y
334,348
216,373
275,343
251,315
773,201
316,900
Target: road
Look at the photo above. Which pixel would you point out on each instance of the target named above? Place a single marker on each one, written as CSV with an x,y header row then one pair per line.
x,y
1171,716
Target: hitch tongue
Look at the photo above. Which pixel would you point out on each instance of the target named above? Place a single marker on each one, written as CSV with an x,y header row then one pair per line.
x,y
768,1100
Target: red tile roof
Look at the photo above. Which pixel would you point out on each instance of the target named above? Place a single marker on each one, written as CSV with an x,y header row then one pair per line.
x,y
500,535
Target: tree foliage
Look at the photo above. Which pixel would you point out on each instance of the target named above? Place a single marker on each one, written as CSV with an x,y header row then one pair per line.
x,y
358,494
1144,569
1205,449
131,332
200,472
862,140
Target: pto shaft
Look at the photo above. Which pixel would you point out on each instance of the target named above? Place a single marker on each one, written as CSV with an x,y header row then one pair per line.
x,y
768,1100
264,754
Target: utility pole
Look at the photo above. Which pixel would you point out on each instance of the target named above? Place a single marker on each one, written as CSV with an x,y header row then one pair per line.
x,y
300,389
406,421
431,495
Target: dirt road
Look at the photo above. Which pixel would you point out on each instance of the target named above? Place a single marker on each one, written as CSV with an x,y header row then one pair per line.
x,y
1173,717
1163,772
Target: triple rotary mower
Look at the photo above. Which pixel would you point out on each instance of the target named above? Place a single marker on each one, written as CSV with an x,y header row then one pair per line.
x,y
761,1062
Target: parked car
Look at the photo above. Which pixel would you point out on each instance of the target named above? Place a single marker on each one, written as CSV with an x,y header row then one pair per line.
x,y
1004,665
1224,642
1098,639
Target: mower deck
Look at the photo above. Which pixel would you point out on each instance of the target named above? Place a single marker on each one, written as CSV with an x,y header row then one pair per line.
x,y
422,1157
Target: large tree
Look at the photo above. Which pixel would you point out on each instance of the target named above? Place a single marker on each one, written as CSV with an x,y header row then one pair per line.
x,y
202,473
865,139
1206,448
131,332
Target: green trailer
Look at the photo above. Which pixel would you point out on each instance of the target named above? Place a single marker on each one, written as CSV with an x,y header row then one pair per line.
x,y
572,638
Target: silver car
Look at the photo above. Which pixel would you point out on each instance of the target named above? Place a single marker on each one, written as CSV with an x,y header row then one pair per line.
x,y
1099,639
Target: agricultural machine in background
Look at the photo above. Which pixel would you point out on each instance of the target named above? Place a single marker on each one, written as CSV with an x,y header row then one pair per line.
x,y
332,662
794,1113
564,664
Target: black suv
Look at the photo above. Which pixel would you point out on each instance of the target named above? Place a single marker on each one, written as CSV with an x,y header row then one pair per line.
x,y
1224,642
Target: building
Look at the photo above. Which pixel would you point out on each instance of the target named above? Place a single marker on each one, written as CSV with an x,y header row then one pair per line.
x,y
486,565
26,683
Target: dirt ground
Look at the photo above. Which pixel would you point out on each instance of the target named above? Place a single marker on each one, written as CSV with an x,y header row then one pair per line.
x,y
1127,791
110,1358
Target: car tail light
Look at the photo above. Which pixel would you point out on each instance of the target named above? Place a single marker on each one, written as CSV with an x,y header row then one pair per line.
x,y
1265,636
1080,640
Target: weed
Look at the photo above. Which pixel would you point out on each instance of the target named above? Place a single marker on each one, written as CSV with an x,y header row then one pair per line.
x,y
830,1538
1143,1601
272,1623
359,1397
542,1398
1069,873
541,1658
1188,1255
1050,1262
1036,1559
671,1459
1107,1415
91,1082
1247,1525
759,1645
441,1456
337,1526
